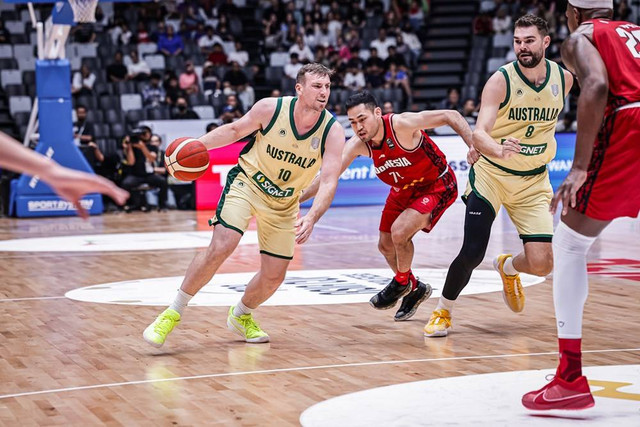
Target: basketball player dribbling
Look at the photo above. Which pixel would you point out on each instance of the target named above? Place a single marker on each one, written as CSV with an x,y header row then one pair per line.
x,y
290,138
515,135
603,181
422,186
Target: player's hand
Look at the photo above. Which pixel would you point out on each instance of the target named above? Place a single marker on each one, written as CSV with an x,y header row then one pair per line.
x,y
472,155
304,227
72,185
567,191
509,148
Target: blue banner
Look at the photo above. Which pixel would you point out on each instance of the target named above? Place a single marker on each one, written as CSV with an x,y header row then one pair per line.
x,y
359,185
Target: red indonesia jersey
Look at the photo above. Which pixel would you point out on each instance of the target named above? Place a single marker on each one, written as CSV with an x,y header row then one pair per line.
x,y
618,43
402,168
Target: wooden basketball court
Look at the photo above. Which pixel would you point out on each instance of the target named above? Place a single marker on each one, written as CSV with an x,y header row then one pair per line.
x,y
66,362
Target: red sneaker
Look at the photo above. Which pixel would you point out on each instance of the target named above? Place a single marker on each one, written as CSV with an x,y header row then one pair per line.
x,y
560,394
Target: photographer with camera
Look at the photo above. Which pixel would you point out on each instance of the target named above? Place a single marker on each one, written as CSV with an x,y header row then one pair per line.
x,y
140,157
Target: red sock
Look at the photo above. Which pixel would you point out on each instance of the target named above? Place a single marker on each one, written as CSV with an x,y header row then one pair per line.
x,y
403,278
570,366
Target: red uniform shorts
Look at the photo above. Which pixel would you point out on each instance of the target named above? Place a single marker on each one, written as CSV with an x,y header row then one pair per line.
x,y
612,188
434,199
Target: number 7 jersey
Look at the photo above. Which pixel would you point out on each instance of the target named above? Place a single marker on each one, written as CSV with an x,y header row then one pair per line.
x,y
530,114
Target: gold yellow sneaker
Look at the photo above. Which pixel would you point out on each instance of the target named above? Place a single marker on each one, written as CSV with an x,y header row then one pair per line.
x,y
246,327
439,324
156,333
512,291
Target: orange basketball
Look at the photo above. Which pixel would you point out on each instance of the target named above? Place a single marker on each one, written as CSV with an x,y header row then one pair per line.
x,y
186,159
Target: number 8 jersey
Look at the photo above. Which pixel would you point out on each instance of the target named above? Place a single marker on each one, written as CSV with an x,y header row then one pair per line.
x,y
530,114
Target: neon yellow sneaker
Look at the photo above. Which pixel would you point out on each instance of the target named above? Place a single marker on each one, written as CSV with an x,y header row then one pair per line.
x,y
246,327
439,324
512,291
157,332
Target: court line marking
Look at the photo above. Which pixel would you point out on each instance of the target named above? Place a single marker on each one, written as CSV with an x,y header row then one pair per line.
x,y
30,299
302,368
331,227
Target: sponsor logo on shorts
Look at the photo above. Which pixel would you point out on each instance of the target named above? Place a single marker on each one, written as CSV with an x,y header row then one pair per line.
x,y
268,187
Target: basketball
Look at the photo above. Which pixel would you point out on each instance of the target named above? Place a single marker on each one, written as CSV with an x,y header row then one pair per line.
x,y
186,159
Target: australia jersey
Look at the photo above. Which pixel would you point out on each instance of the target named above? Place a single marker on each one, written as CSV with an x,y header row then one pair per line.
x,y
530,114
618,43
278,159
402,168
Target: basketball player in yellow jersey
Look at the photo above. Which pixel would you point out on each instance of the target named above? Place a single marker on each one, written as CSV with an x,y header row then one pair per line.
x,y
515,135
291,138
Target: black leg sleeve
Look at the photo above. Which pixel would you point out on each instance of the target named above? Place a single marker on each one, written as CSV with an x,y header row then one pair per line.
x,y
477,229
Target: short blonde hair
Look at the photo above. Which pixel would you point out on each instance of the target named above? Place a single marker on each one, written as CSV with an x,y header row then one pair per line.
x,y
313,68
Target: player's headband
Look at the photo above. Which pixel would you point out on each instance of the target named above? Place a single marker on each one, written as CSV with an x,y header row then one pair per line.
x,y
592,4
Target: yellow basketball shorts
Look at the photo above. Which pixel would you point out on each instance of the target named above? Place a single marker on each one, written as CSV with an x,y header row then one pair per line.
x,y
525,198
241,200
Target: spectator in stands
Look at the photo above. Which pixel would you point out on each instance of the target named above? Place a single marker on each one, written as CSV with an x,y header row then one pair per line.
x,y
452,101
353,40
393,57
412,40
210,81
170,44
182,111
5,37
140,156
82,130
217,55
568,123
304,53
390,23
161,31
416,14
374,59
321,56
382,43
84,32
125,36
137,69
387,107
483,25
357,17
189,79
374,77
502,22
142,35
231,110
291,69
323,37
343,50
83,81
290,36
154,95
334,24
237,81
622,12
397,77
354,79
271,32
172,89
470,110
240,56
117,71
207,41
402,49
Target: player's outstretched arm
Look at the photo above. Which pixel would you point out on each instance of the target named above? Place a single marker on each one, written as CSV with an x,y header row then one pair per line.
x,y
69,184
257,118
581,57
432,119
493,94
329,174
352,149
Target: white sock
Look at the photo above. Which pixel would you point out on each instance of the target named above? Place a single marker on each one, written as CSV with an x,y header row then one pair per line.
x,y
447,304
241,309
508,267
570,283
181,301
